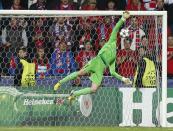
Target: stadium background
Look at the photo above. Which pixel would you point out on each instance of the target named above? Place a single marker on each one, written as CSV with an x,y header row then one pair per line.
x,y
75,44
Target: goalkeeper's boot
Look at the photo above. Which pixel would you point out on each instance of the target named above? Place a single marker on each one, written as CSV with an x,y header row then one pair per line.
x,y
57,86
71,98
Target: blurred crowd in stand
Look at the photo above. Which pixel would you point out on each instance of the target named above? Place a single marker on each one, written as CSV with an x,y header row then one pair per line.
x,y
59,46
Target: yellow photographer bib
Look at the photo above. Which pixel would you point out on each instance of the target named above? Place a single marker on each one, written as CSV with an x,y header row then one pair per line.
x,y
149,77
28,75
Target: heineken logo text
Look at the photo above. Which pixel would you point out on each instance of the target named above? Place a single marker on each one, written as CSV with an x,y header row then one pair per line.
x,y
38,102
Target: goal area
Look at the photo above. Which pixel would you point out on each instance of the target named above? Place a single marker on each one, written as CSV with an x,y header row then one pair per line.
x,y
57,43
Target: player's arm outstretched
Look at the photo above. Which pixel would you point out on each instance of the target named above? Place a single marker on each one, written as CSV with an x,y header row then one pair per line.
x,y
117,27
125,16
127,81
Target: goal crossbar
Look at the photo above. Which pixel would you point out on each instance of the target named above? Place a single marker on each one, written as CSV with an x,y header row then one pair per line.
x,y
77,13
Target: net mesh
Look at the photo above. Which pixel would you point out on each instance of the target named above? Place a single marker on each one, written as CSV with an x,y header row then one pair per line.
x,y
59,46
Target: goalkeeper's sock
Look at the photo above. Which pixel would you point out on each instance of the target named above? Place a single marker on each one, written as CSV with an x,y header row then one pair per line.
x,y
82,92
72,76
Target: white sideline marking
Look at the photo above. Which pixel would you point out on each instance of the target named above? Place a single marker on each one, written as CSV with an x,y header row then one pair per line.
x,y
46,95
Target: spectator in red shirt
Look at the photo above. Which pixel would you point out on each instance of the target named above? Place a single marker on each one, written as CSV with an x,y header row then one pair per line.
x,y
65,5
170,56
136,32
149,4
79,3
87,31
38,35
85,55
126,59
41,63
135,5
39,32
104,29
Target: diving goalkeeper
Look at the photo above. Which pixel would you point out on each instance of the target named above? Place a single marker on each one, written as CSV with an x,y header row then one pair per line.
x,y
95,67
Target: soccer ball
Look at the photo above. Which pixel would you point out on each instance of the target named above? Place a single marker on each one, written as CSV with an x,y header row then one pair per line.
x,y
124,33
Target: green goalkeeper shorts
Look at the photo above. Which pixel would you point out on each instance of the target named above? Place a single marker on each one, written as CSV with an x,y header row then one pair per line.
x,y
96,68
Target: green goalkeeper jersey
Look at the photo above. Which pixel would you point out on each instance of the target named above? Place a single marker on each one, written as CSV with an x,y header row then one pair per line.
x,y
105,58
108,51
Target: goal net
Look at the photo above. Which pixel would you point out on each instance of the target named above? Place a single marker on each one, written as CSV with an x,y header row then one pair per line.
x,y
38,48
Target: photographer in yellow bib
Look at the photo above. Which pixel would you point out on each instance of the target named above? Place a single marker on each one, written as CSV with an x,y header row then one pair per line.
x,y
145,76
25,71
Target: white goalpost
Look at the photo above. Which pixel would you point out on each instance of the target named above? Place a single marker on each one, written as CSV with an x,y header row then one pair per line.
x,y
104,110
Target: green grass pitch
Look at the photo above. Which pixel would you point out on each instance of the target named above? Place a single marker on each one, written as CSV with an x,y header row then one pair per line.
x,y
83,129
